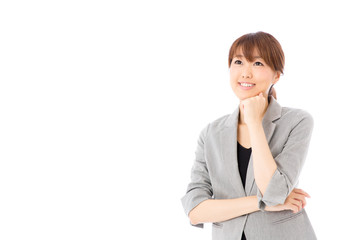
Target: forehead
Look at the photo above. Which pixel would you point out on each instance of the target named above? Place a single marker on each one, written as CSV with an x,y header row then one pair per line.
x,y
239,54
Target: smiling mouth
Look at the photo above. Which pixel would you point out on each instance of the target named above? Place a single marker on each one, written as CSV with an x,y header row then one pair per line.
x,y
246,86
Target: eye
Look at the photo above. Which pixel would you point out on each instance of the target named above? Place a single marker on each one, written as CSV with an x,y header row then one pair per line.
x,y
259,64
237,61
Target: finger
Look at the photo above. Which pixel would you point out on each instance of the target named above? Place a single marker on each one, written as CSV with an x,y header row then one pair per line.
x,y
305,193
297,203
294,208
297,190
300,196
303,201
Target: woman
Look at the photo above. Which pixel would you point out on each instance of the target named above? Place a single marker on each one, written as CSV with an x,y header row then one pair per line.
x,y
248,163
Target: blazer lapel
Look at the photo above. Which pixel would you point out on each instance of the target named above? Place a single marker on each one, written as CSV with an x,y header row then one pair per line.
x,y
228,138
229,145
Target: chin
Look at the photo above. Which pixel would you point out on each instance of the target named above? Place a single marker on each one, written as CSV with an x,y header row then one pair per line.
x,y
246,97
243,98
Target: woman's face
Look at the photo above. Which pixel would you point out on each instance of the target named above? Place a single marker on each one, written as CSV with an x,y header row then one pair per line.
x,y
257,73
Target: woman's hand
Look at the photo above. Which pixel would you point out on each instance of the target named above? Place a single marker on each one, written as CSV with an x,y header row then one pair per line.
x,y
295,202
254,108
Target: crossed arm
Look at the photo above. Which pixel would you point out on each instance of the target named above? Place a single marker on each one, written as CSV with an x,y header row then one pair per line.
x,y
218,210
275,180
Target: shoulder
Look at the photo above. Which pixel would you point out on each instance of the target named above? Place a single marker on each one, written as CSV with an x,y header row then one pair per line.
x,y
219,123
215,125
295,116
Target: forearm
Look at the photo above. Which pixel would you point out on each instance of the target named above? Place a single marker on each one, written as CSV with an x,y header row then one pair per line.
x,y
263,162
218,210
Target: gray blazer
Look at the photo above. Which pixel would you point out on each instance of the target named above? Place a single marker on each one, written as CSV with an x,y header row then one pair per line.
x,y
215,174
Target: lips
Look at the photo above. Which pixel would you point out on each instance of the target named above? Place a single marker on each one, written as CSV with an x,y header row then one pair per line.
x,y
246,88
247,82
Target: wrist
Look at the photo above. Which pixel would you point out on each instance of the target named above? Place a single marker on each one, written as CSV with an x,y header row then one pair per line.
x,y
254,125
255,203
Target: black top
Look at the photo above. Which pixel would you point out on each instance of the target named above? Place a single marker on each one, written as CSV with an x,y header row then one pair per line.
x,y
243,157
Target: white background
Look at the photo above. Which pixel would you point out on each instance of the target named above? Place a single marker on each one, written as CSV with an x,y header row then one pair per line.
x,y
102,102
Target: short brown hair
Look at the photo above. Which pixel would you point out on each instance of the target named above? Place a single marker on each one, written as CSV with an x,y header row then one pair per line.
x,y
268,47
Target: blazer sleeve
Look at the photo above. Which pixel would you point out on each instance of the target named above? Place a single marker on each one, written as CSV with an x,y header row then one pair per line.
x,y
199,189
289,163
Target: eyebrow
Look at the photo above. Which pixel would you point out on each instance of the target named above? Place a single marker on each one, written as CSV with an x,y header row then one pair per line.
x,y
240,56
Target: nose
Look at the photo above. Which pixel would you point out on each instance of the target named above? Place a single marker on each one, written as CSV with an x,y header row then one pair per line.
x,y
246,73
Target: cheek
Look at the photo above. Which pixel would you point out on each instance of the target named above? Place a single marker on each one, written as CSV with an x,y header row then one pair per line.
x,y
233,81
266,74
263,77
234,74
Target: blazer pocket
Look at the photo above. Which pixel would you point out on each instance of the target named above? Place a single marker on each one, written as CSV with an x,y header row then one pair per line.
x,y
288,218
217,224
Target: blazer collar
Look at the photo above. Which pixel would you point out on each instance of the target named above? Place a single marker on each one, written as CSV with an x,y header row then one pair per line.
x,y
228,137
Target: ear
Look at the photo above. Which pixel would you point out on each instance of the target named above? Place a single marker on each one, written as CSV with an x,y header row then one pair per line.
x,y
276,77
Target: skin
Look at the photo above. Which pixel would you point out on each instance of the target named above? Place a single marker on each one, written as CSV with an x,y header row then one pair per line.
x,y
253,105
